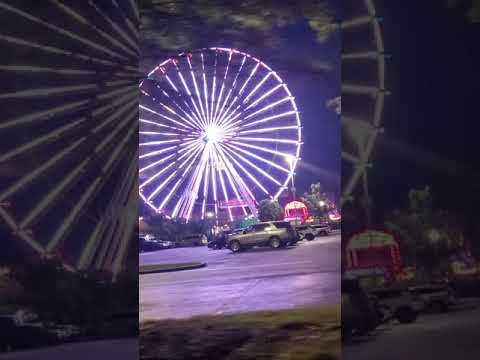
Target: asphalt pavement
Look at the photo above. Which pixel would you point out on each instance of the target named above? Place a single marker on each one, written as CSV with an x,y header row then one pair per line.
x,y
452,335
121,349
257,279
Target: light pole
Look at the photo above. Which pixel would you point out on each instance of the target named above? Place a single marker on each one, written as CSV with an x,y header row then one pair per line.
x,y
291,160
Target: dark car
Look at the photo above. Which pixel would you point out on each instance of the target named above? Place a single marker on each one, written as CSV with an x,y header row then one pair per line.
x,y
152,244
435,298
220,240
192,240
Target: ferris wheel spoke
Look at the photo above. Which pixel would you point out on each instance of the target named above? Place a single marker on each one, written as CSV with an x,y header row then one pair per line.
x,y
117,92
257,168
214,84
219,166
54,50
41,140
205,188
192,119
219,100
197,181
165,117
189,93
234,85
128,22
194,154
228,123
250,176
49,199
154,123
267,130
123,34
38,171
266,161
59,30
76,16
45,114
228,171
254,70
186,192
157,152
158,162
255,89
158,174
268,140
268,150
236,176
131,104
197,92
161,186
205,86
86,196
159,142
270,118
118,128
264,96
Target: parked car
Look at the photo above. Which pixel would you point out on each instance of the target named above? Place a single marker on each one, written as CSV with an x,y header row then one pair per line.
x,y
398,303
305,232
435,298
321,229
360,313
274,234
192,240
220,240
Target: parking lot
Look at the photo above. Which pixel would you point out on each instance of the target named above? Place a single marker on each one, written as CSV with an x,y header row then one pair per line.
x,y
451,335
258,279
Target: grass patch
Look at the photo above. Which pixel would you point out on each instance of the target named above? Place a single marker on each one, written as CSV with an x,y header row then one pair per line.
x,y
145,269
311,333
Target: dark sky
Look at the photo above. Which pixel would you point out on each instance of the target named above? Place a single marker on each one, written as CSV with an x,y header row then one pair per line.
x,y
431,118
321,126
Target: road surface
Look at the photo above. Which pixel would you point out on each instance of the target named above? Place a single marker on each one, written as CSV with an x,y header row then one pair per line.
x,y
454,335
257,279
122,349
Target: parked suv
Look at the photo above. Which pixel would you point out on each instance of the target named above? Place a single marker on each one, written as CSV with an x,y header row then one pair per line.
x,y
436,298
398,303
274,234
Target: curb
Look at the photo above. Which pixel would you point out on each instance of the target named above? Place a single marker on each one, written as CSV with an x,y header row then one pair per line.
x,y
180,267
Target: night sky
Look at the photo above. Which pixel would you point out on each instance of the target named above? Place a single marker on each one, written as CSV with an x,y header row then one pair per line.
x,y
321,126
431,118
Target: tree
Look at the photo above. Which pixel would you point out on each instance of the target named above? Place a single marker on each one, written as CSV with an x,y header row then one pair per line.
x,y
470,7
415,226
270,210
316,200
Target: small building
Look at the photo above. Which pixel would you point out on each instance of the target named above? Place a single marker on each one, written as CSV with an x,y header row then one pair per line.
x,y
296,211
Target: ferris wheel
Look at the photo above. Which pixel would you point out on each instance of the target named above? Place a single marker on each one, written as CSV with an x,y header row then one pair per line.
x,y
219,130
69,128
363,94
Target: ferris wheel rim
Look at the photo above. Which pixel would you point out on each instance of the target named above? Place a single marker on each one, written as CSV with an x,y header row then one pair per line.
x,y
196,115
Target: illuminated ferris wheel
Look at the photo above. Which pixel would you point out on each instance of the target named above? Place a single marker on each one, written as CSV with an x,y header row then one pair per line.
x,y
363,94
68,153
219,130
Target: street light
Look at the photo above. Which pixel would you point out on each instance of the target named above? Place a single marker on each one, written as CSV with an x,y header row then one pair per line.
x,y
209,215
321,203
291,161
434,235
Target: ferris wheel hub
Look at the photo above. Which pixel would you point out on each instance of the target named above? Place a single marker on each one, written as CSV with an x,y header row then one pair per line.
x,y
213,134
